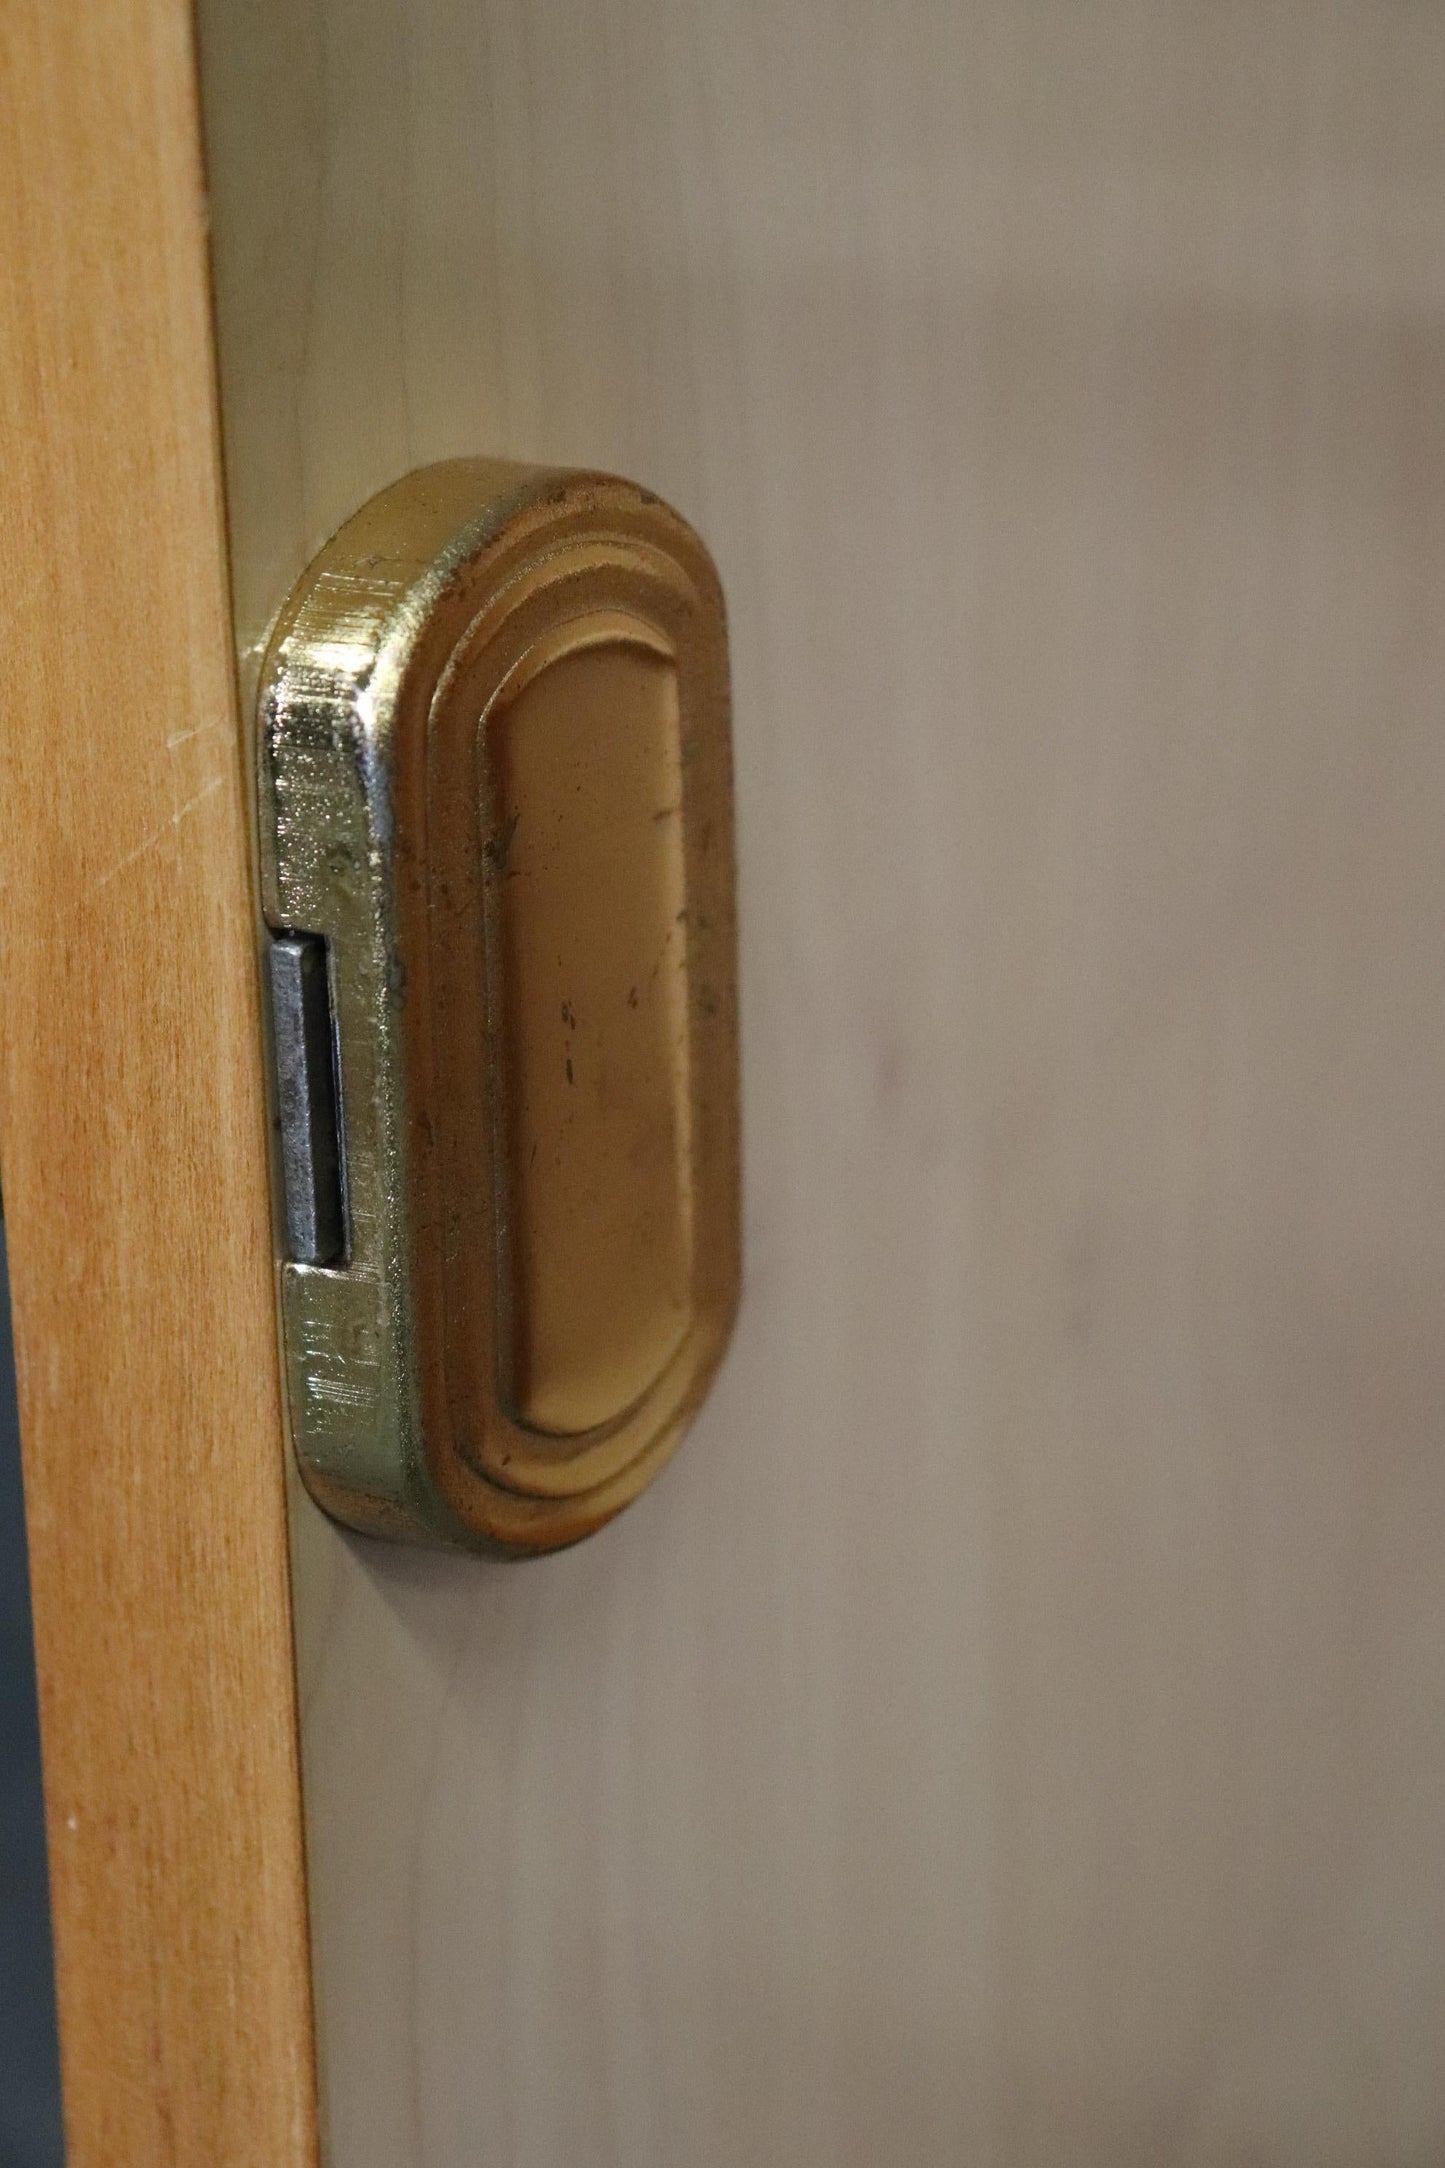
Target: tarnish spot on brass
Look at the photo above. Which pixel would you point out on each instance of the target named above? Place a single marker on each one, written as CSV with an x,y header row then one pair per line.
x,y
584,776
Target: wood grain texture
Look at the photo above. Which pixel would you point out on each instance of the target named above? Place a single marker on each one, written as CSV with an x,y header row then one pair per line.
x,y
1014,1731
132,1130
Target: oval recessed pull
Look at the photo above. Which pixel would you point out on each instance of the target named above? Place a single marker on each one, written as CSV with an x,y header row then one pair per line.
x,y
496,833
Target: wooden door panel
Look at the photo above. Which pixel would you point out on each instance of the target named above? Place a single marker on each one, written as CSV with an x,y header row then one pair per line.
x,y
1014,1731
133,1130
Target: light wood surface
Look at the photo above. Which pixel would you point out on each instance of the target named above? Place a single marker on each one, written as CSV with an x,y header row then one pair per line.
x,y
132,1130
1013,1733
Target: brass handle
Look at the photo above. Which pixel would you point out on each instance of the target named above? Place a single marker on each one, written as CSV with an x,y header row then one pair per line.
x,y
495,799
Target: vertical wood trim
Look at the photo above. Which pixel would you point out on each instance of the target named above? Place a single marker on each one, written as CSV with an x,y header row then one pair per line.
x,y
132,1133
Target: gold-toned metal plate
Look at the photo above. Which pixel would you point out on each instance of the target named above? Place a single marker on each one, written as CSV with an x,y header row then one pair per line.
x,y
495,781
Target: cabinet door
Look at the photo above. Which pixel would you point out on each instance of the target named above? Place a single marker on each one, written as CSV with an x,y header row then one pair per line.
x,y
1013,1730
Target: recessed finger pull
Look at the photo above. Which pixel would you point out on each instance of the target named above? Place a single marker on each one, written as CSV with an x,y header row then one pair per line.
x,y
495,797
